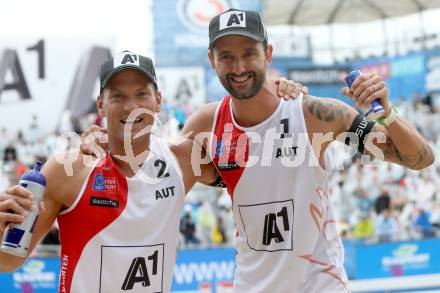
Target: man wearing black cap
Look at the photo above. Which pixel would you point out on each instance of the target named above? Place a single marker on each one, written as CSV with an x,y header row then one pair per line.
x,y
262,148
119,216
278,181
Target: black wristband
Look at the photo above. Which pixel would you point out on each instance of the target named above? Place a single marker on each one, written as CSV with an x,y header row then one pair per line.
x,y
360,127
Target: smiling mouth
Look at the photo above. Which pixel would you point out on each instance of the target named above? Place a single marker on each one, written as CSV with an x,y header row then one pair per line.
x,y
242,78
131,122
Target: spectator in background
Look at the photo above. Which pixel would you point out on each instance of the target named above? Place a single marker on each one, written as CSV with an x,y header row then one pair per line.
x,y
364,203
428,101
422,225
364,229
383,202
218,233
19,170
206,221
5,138
34,132
20,137
387,226
188,228
418,102
435,217
10,153
179,114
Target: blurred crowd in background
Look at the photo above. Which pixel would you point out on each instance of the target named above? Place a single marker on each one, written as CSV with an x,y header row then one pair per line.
x,y
375,202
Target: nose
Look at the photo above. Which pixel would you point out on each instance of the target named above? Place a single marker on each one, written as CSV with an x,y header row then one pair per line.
x,y
238,66
130,104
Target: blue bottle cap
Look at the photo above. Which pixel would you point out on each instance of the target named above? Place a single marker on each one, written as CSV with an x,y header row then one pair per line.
x,y
35,175
351,77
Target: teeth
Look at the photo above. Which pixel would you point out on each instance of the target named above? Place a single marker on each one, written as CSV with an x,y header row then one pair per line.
x,y
241,78
131,122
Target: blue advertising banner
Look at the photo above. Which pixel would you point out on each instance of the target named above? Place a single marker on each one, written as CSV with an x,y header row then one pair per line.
x,y
215,267
398,259
432,80
181,28
405,75
203,266
38,275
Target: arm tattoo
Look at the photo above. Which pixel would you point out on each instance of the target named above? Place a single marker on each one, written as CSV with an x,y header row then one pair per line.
x,y
325,110
416,161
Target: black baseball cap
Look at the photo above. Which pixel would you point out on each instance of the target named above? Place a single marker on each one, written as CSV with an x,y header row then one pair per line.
x,y
127,60
237,22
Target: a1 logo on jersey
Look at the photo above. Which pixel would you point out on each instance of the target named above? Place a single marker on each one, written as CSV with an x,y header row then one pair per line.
x,y
268,226
132,269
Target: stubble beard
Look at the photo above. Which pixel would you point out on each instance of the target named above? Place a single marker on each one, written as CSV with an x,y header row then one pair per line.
x,y
257,84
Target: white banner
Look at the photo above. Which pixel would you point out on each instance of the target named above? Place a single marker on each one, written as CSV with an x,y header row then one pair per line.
x,y
44,76
180,85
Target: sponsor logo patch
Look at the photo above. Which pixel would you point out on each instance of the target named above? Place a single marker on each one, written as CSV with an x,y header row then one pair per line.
x,y
104,202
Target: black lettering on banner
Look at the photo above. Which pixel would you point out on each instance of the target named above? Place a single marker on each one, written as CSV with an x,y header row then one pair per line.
x,y
39,48
9,61
271,231
162,169
234,19
138,265
83,86
183,91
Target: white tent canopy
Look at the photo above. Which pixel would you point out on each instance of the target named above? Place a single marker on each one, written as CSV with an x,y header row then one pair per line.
x,y
318,12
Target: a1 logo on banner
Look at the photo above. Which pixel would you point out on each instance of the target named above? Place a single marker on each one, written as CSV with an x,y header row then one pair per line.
x,y
196,14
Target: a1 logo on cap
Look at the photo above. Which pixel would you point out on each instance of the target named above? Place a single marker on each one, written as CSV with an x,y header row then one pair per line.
x,y
125,58
232,19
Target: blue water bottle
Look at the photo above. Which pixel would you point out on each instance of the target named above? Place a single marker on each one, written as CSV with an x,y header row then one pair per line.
x,y
17,237
376,110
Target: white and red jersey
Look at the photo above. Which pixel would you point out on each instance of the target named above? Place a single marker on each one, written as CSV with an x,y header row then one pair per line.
x,y
121,234
287,239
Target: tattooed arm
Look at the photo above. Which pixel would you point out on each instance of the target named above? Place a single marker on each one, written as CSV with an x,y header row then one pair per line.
x,y
403,144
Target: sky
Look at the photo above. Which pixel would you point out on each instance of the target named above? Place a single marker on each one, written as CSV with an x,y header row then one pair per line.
x,y
129,24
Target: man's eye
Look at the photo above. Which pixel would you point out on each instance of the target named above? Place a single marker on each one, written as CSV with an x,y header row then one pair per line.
x,y
249,54
143,94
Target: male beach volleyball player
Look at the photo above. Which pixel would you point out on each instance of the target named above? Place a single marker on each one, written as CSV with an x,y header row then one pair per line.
x,y
119,217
